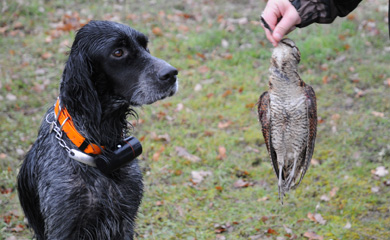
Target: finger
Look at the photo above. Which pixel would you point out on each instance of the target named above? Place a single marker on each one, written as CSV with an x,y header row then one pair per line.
x,y
268,31
289,20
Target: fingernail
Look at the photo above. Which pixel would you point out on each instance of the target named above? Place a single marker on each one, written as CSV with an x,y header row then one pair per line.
x,y
277,36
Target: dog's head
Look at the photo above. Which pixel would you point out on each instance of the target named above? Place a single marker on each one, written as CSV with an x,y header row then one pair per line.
x,y
113,59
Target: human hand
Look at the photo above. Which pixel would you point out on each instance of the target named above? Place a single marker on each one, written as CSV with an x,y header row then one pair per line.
x,y
282,17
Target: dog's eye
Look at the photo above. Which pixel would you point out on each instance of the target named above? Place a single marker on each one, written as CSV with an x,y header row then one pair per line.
x,y
118,53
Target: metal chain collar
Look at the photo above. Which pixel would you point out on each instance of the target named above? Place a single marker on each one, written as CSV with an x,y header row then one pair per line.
x,y
58,130
72,153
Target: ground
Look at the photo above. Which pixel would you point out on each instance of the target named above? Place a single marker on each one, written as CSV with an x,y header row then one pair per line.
x,y
206,169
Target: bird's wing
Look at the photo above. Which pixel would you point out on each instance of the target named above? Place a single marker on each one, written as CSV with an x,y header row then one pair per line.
x,y
311,109
265,120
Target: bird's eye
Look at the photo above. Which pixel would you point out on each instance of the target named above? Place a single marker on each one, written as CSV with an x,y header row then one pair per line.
x,y
118,53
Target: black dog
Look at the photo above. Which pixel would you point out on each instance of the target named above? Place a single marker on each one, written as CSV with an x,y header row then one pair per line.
x,y
109,70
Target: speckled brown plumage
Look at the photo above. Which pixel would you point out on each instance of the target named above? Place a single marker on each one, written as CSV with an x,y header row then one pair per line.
x,y
288,115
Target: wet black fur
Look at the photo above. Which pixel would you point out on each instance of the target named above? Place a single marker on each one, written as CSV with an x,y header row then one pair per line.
x,y
63,198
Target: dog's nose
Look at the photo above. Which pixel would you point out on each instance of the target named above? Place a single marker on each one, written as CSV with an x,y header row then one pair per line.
x,y
168,73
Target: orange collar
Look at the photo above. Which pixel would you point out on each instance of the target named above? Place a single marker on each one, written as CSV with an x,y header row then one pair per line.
x,y
70,130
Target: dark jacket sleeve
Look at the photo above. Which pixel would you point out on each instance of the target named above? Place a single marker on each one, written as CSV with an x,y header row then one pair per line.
x,y
322,11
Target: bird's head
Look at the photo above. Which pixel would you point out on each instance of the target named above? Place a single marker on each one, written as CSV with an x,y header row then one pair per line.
x,y
285,55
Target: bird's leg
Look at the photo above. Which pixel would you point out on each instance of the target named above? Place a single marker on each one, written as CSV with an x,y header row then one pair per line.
x,y
280,182
292,173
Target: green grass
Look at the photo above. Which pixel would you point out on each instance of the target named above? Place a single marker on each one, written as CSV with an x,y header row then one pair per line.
x,y
352,57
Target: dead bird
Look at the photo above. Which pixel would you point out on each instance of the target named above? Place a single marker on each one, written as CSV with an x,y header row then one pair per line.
x,y
288,115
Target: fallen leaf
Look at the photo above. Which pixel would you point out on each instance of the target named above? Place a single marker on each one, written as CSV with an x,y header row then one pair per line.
x,y
224,43
319,219
198,87
263,199
288,230
264,219
325,79
325,198
11,97
242,184
17,228
220,237
183,28
387,82
203,69
182,152
378,114
225,124
311,216
157,154
249,105
180,106
333,192
272,231
157,31
375,189
219,188
348,225
46,55
221,153
314,162
380,171
163,137
198,176
313,236
201,55
227,93
159,203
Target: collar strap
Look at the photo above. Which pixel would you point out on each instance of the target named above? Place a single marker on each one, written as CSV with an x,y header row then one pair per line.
x,y
68,127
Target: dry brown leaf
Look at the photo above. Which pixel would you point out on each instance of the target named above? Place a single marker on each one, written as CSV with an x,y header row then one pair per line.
x,y
314,162
182,152
311,216
203,69
198,176
242,184
272,231
227,93
225,124
313,236
288,230
378,114
333,192
183,28
156,156
318,217
18,228
387,82
46,55
221,153
157,31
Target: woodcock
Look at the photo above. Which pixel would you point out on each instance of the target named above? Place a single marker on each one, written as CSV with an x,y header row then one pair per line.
x,y
288,115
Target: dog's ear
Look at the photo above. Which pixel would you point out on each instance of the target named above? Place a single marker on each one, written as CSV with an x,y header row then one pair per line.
x,y
78,91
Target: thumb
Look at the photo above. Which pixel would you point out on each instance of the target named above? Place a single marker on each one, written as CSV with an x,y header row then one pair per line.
x,y
288,21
